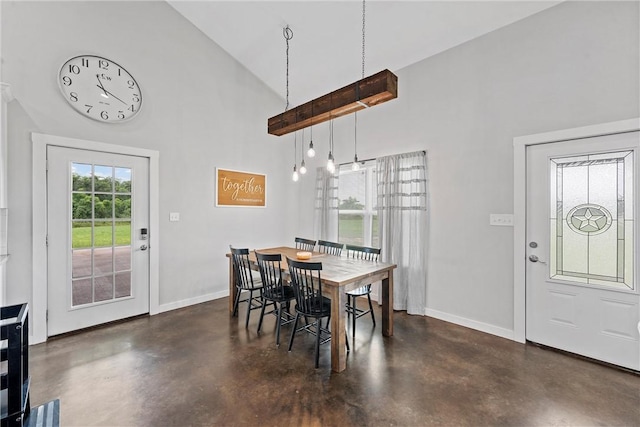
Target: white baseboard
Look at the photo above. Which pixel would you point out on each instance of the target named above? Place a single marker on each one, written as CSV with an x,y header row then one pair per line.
x,y
190,301
472,324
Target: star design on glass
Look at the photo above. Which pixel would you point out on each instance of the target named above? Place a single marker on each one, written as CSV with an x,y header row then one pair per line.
x,y
589,219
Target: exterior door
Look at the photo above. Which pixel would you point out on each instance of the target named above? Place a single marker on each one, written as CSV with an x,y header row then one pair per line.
x,y
97,219
582,247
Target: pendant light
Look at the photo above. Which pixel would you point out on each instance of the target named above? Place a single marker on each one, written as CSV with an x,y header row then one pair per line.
x,y
303,167
311,152
331,166
295,176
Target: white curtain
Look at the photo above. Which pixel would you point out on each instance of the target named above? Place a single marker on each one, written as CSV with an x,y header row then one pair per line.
x,y
402,215
326,205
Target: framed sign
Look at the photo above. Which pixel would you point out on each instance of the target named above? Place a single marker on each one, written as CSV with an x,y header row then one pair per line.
x,y
237,188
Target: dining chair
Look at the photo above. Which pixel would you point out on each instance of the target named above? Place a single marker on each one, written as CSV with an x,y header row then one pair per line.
x,y
305,244
331,248
307,287
274,290
369,254
244,281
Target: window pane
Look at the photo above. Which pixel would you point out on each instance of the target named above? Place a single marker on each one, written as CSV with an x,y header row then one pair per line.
x,y
103,260
81,174
352,190
350,228
103,234
589,240
81,292
123,258
123,180
81,234
104,288
81,263
122,206
123,284
103,206
103,179
123,233
81,206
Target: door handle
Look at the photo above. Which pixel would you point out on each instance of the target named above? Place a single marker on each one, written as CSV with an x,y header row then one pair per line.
x,y
534,258
144,247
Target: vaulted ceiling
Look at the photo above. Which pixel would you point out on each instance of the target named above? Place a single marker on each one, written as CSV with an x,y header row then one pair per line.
x,y
326,50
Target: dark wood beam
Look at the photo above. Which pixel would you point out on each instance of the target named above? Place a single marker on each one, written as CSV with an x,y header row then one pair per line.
x,y
370,91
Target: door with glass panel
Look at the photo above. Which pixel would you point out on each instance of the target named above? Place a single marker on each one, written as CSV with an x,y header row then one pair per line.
x,y
582,247
97,222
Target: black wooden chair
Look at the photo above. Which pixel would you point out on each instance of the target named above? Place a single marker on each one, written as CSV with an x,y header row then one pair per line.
x,y
244,282
369,254
305,244
274,290
331,248
307,287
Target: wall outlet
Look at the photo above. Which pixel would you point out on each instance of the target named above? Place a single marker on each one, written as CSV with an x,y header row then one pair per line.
x,y
174,216
505,220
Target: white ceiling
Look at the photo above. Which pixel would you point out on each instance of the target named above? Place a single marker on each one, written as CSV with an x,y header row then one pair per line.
x,y
326,50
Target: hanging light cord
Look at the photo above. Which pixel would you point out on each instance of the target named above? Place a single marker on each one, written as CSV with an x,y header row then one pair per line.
x,y
288,35
363,39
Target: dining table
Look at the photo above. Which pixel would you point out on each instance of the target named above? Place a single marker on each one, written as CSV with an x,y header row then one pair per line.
x,y
339,275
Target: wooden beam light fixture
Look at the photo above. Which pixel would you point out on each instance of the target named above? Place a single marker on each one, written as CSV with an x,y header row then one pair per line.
x,y
364,93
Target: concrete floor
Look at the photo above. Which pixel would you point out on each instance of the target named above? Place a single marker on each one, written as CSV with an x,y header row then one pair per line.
x,y
199,367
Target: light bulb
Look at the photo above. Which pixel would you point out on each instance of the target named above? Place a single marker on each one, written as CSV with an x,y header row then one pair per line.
x,y
303,168
295,174
355,166
311,152
330,165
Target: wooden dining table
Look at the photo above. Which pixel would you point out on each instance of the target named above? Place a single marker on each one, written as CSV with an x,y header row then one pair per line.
x,y
339,275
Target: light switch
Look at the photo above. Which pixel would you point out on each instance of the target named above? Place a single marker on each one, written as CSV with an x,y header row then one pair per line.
x,y
174,216
504,220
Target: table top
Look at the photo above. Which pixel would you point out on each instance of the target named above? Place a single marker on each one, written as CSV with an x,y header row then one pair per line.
x,y
336,270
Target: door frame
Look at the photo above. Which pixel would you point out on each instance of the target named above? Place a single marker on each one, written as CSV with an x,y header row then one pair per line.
x,y
520,203
39,222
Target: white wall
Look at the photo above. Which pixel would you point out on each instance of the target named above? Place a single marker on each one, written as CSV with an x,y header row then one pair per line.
x,y
573,65
201,110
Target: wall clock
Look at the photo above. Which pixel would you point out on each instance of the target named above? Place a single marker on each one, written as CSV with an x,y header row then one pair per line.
x,y
100,89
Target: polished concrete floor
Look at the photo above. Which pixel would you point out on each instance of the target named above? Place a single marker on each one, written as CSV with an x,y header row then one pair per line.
x,y
200,367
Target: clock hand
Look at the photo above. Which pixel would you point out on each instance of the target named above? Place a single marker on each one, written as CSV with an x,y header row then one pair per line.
x,y
101,87
107,92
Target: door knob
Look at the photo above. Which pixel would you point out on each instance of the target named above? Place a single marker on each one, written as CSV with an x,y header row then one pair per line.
x,y
534,258
143,247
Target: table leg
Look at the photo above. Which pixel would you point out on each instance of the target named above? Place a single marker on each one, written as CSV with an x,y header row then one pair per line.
x,y
387,305
338,325
232,286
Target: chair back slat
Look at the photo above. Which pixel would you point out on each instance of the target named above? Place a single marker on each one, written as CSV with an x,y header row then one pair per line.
x,y
271,275
331,248
305,244
242,267
363,252
307,286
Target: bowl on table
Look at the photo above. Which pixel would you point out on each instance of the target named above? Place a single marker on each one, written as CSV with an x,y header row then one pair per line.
x,y
303,255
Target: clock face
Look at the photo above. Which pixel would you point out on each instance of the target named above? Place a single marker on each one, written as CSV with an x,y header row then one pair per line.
x,y
100,89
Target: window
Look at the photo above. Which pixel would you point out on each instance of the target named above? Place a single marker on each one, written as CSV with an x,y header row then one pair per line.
x,y
358,218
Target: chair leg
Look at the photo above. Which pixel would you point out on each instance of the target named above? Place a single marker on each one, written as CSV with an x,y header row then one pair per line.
x,y
236,302
278,321
373,317
246,323
318,324
293,331
346,336
261,316
353,300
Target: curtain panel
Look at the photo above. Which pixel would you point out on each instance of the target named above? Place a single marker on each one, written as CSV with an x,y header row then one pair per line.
x,y
325,224
402,205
